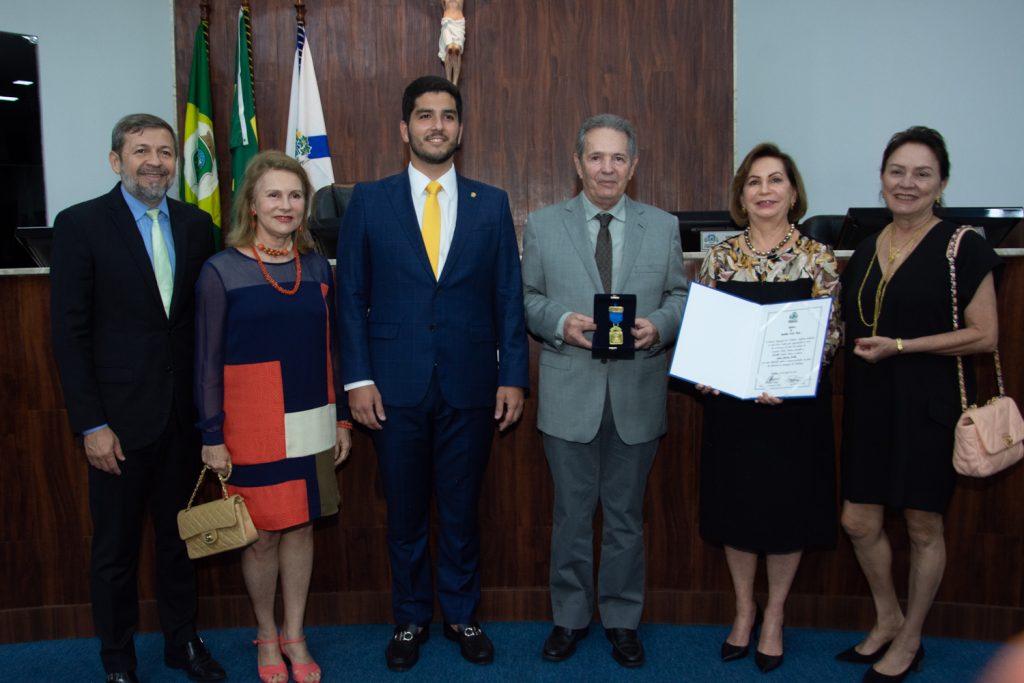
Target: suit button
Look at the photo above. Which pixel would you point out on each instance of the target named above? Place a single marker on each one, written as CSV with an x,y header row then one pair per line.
x,y
604,361
433,327
169,368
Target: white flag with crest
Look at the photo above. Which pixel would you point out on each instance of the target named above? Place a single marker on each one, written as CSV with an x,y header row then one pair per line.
x,y
307,135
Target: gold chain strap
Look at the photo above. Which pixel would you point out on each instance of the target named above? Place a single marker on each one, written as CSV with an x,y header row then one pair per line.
x,y
202,473
951,250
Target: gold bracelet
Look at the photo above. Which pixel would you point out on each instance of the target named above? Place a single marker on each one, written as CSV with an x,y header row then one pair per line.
x,y
899,345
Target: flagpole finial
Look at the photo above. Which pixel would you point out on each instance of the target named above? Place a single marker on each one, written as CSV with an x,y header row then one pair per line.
x,y
300,11
204,11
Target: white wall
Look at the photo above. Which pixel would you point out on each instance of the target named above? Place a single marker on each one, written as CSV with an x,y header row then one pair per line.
x,y
98,60
830,80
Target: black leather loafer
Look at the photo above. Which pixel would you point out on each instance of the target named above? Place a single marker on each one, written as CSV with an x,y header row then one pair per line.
x,y
561,644
475,646
122,677
195,660
626,647
404,649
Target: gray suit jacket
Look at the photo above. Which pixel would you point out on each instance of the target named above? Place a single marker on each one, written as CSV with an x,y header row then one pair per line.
x,y
559,276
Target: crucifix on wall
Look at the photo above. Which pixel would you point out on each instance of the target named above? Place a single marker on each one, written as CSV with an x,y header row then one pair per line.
x,y
453,38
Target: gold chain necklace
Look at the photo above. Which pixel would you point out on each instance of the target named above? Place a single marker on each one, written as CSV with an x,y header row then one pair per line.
x,y
883,284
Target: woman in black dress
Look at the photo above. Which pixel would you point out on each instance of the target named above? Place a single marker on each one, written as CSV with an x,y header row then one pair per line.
x,y
902,400
761,493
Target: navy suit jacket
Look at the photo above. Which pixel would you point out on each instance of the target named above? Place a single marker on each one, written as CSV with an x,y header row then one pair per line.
x,y
122,360
397,325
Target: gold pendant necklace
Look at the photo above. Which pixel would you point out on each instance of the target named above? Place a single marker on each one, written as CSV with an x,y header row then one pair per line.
x,y
894,251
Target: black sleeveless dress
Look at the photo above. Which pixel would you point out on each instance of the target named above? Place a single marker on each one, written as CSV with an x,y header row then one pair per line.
x,y
899,414
767,473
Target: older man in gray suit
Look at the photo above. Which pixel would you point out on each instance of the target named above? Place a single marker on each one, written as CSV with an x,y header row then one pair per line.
x,y
601,419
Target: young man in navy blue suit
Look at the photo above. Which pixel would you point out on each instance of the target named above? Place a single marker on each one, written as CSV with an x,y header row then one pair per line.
x,y
122,281
434,354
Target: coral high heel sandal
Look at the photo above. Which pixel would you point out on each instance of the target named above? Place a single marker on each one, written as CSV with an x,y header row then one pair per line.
x,y
271,673
301,672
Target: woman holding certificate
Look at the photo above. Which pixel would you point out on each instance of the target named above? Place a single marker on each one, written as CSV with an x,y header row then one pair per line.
x,y
763,491
902,398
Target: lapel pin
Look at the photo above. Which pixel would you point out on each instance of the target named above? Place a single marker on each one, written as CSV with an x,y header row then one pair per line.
x,y
473,195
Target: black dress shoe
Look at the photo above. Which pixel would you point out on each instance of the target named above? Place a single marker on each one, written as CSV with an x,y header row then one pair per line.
x,y
122,677
626,647
561,644
767,663
195,660
916,664
475,646
851,655
404,649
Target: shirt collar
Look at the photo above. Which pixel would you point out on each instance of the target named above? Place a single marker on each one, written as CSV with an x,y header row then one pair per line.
x,y
139,209
418,181
590,210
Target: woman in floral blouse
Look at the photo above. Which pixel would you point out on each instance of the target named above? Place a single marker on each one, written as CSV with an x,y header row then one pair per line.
x,y
768,466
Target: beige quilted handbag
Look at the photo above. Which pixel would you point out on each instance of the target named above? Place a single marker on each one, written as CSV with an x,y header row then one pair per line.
x,y
217,526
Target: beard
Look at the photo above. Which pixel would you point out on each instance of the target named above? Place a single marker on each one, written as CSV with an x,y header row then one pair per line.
x,y
150,192
433,157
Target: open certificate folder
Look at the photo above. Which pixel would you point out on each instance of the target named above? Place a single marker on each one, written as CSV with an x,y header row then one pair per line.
x,y
744,349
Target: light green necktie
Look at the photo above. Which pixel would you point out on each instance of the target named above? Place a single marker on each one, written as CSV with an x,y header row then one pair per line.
x,y
161,261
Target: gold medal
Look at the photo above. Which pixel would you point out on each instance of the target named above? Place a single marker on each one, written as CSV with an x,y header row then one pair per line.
x,y
615,337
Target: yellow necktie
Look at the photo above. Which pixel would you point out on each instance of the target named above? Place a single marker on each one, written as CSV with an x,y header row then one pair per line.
x,y
432,224
161,261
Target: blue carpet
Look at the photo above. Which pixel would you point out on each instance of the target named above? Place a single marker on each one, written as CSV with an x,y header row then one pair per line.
x,y
356,653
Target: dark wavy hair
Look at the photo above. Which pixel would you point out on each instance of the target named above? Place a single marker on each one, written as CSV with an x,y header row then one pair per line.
x,y
762,151
425,84
923,135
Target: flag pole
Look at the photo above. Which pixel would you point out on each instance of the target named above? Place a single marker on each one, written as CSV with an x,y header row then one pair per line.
x,y
300,11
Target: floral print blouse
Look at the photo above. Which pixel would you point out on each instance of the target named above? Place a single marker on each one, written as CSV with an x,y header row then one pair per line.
x,y
806,258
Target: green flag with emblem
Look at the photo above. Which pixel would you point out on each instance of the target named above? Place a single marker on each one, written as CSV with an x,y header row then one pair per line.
x,y
199,184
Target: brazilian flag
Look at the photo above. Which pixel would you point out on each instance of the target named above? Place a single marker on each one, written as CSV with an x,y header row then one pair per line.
x,y
199,184
244,141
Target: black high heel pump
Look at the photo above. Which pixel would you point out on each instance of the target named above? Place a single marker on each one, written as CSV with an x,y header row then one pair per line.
x,y
730,652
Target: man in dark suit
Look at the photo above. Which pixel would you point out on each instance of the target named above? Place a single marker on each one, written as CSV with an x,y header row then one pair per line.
x,y
434,351
601,419
123,273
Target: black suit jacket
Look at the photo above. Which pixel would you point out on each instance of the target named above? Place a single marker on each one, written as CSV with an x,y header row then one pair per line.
x,y
122,360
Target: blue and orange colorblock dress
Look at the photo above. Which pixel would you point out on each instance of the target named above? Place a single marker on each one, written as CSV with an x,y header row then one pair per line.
x,y
266,386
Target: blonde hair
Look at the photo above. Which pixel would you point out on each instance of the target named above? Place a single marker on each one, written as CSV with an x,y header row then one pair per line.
x,y
243,222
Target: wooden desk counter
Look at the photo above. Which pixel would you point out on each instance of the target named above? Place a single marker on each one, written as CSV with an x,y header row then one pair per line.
x,y
45,530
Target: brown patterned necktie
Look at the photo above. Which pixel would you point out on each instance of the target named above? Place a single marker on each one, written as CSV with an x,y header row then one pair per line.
x,y
603,251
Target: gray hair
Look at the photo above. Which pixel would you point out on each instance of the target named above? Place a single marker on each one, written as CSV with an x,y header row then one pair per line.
x,y
607,121
136,123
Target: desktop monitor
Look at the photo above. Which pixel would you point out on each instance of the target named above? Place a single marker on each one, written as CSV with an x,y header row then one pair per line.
x,y
701,230
995,222
37,241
